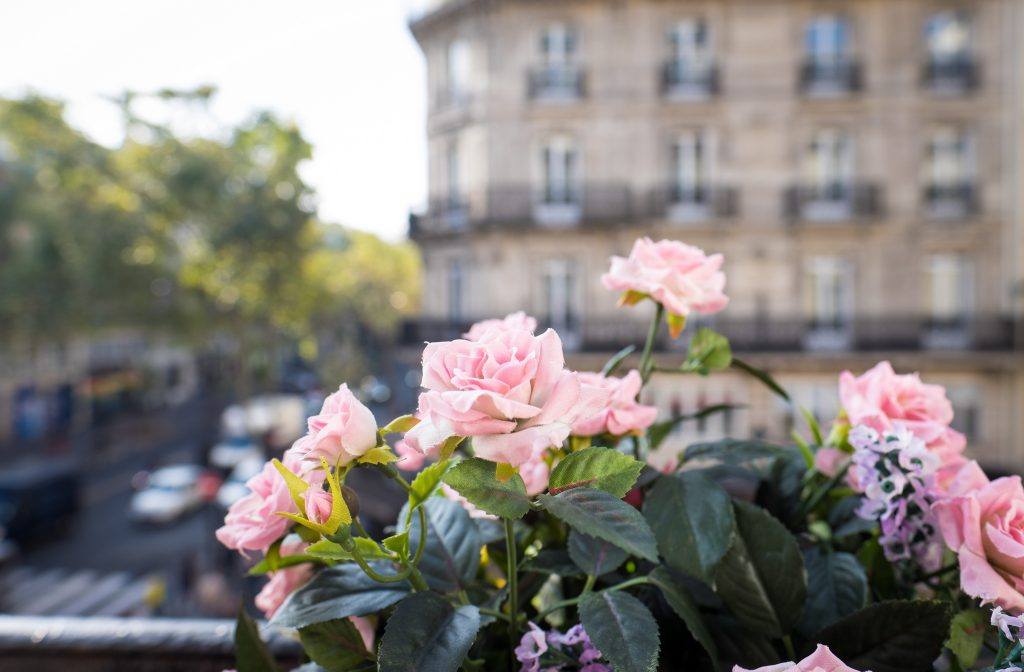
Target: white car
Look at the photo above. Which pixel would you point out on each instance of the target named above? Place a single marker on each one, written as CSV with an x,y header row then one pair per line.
x,y
235,488
234,450
169,494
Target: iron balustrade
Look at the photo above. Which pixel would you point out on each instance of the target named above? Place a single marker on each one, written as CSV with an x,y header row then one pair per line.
x,y
982,333
959,75
836,201
556,81
825,78
683,80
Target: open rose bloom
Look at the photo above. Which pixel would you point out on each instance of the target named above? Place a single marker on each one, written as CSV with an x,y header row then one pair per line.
x,y
623,414
680,277
983,522
880,398
509,391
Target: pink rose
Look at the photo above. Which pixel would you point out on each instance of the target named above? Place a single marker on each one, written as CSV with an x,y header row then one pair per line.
x,y
678,276
343,430
822,660
319,504
535,474
880,397
252,523
983,522
284,582
410,457
829,461
622,415
519,321
509,391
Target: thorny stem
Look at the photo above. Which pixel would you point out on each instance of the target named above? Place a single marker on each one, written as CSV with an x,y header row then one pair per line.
x,y
646,361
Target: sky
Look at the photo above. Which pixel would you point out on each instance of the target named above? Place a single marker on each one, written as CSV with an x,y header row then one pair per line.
x,y
347,71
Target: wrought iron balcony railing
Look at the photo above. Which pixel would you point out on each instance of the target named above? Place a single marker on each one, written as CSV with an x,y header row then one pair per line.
x,y
951,201
821,78
683,81
599,205
563,81
993,333
833,202
960,75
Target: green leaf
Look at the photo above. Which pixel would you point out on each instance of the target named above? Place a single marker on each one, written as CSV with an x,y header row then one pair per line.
x,y
737,644
836,587
251,654
612,364
398,543
896,636
449,446
760,375
263,566
602,468
622,628
812,424
761,578
657,432
709,351
601,515
966,634
426,483
735,451
692,518
452,553
334,645
427,634
400,425
296,486
378,455
679,599
475,480
325,549
338,592
594,556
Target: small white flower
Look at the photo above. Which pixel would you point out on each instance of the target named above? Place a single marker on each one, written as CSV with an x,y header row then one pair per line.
x,y
1004,622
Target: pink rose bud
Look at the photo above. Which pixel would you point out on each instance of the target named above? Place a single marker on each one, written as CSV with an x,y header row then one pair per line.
x,y
822,660
318,505
519,321
343,430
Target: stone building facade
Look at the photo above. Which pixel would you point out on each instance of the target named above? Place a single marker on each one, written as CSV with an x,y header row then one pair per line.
x,y
858,162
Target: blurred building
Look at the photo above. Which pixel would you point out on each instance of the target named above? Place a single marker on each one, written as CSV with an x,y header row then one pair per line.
x,y
858,162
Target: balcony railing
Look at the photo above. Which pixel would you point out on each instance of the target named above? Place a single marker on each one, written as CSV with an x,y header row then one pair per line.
x,y
951,76
683,81
564,81
564,206
826,79
778,334
835,202
695,203
951,201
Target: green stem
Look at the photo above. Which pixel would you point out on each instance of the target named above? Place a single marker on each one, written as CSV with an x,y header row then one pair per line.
x,y
495,613
513,583
374,574
646,360
589,585
638,581
790,651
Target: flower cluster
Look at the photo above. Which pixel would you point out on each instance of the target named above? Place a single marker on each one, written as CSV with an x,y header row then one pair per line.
x,y
880,398
896,473
570,651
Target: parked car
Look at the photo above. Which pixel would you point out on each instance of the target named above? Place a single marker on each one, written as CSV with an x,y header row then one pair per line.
x,y
234,450
37,496
234,488
169,494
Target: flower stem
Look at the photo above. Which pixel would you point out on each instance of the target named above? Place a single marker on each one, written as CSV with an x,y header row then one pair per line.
x,y
513,582
638,581
646,360
790,651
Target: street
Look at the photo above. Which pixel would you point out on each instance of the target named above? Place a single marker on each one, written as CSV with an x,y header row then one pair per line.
x,y
101,537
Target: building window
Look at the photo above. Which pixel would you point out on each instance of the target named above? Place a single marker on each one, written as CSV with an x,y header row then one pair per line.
x,y
690,168
829,301
456,290
950,291
458,72
559,278
689,71
829,67
559,77
966,410
949,172
828,175
949,65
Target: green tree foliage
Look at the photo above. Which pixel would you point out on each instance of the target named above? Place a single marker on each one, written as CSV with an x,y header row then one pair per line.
x,y
187,235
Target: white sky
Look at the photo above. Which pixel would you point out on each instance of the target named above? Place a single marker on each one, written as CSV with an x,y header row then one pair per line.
x,y
347,71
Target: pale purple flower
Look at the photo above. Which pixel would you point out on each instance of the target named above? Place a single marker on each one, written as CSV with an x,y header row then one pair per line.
x,y
531,647
1005,622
